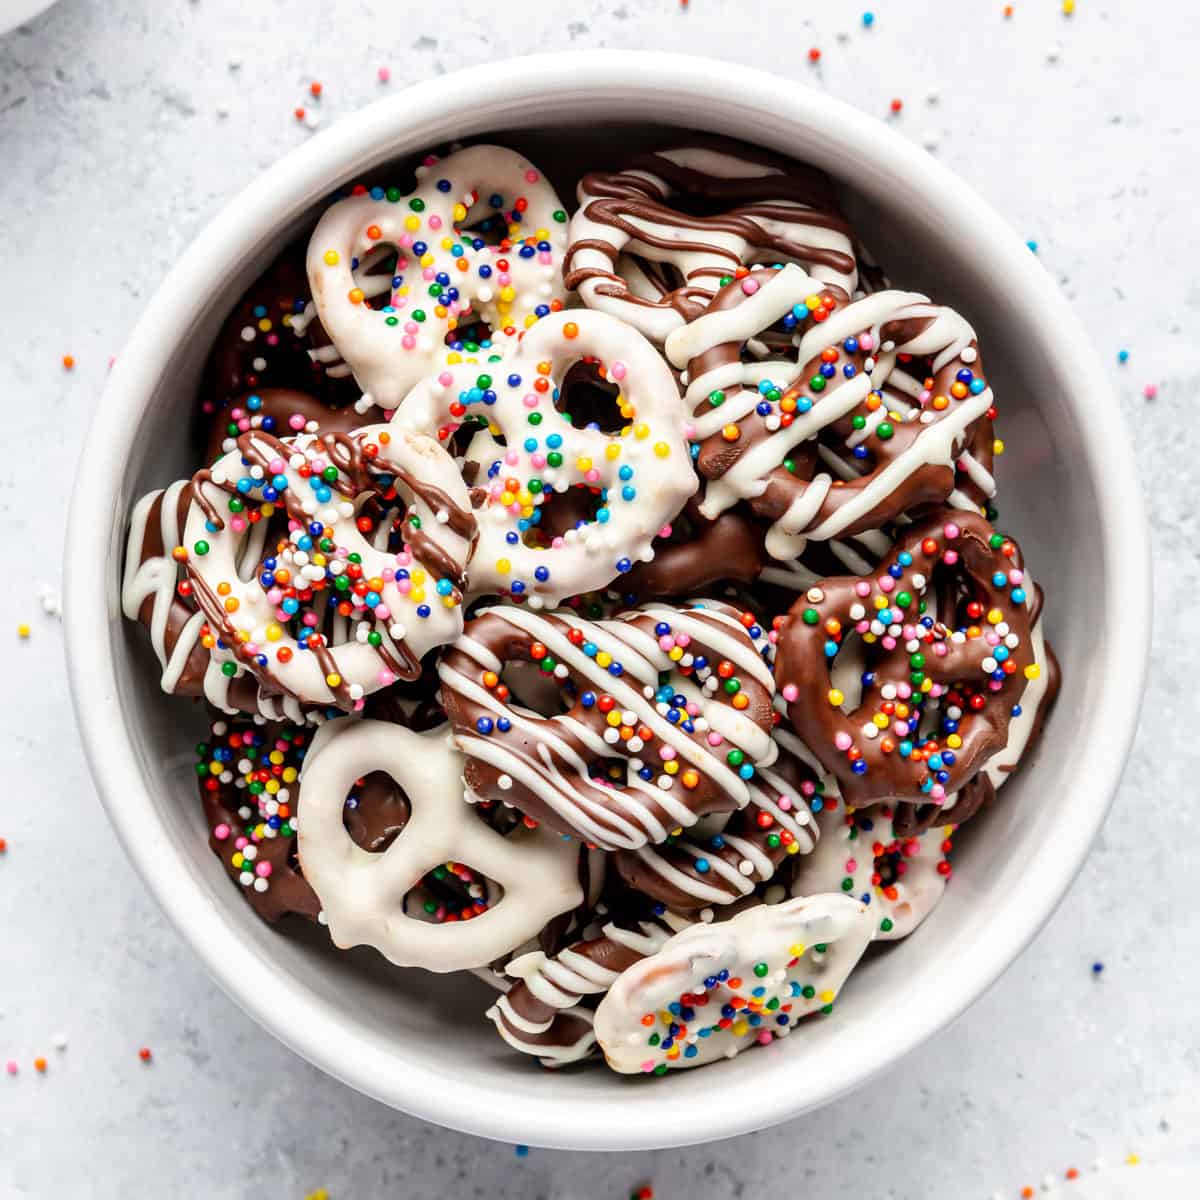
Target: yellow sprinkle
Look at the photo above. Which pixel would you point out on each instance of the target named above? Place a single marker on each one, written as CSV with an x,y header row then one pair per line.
x,y
662,449
412,224
827,997
453,358
290,774
332,258
333,679
460,212
1132,1160
447,242
267,510
603,659
954,741
418,577
1033,671
612,450
583,463
508,294
675,653
272,786
613,718
798,949
794,848
265,325
641,430
672,767
739,1028
835,697
274,633
995,616
869,638
417,595
881,602
23,630
927,684
1068,7
276,756
439,311
530,321
998,446
880,721
812,303
427,260
238,860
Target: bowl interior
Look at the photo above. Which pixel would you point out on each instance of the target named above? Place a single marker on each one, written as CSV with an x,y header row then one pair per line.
x,y
379,1027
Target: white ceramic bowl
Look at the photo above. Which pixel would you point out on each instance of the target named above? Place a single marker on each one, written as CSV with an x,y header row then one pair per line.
x,y
17,12
419,1042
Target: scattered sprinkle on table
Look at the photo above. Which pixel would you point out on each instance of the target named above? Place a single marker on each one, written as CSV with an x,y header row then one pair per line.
x,y
39,1065
1068,7
60,1041
896,105
3,846
144,1054
11,1067
521,1151
298,112
814,55
384,74
868,19
319,1194
1053,52
645,1192
1150,391
1097,968
316,88
68,362
1032,245
1008,11
23,630
1122,356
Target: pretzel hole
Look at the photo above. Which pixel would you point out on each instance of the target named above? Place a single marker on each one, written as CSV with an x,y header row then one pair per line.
x,y
486,222
533,689
375,814
374,275
469,336
559,513
588,400
846,672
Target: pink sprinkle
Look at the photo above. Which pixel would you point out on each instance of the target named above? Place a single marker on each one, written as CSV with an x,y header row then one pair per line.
x,y
241,843
714,738
889,642
408,341
749,286
221,832
296,421
785,803
887,583
903,690
666,642
665,531
512,458
666,753
683,639
790,692
537,460
531,176
1150,391
1015,577
764,1038
938,793
950,529
435,222
807,788
531,401
900,729
557,544
866,341
862,588
384,74
950,557
383,612
851,865
592,476
618,371
842,740
386,677
10,1067
647,1066
262,870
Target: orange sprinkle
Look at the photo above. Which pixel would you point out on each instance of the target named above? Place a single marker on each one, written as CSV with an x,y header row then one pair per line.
x,y
570,330
374,232
731,433
39,1065
1026,1193
298,112
1072,1173
69,362
315,88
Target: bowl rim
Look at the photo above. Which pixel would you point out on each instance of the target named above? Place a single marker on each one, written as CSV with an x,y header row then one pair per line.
x,y
237,967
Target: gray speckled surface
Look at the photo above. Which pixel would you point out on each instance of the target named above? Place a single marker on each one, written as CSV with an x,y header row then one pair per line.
x,y
115,152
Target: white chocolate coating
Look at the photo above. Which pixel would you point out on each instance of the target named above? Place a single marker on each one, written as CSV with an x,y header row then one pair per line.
x,y
362,894
391,349
247,612
844,860
770,949
644,470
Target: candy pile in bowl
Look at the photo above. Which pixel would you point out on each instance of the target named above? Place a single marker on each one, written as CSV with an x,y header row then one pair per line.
x,y
610,605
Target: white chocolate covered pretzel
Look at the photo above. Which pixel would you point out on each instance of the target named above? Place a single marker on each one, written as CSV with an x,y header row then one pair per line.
x,y
446,275
637,477
402,604
363,894
713,990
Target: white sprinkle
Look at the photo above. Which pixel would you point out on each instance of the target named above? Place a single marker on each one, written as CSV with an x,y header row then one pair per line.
x,y
930,139
60,1041
1053,52
504,782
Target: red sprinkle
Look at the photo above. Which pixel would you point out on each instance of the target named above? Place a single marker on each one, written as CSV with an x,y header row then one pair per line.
x,y
315,88
897,105
299,114
814,55
144,1054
